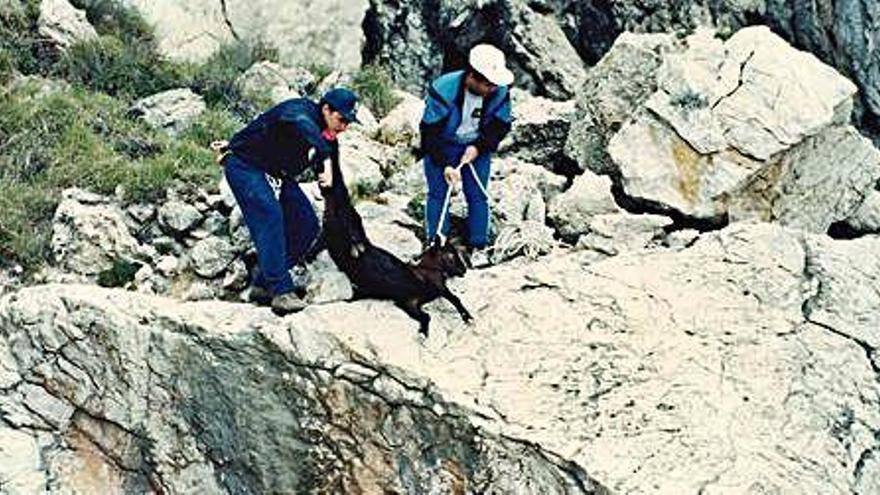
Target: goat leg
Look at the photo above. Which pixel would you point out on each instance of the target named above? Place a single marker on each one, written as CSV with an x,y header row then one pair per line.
x,y
414,310
462,311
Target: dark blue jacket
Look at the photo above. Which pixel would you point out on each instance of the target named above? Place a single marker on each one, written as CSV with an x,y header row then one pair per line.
x,y
279,141
443,115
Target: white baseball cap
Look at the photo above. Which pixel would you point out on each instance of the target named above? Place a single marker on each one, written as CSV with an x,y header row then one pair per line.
x,y
489,61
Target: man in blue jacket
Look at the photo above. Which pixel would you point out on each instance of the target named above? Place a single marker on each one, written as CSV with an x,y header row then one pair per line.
x,y
467,114
283,142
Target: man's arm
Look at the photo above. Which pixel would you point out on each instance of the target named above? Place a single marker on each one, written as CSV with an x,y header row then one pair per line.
x,y
495,129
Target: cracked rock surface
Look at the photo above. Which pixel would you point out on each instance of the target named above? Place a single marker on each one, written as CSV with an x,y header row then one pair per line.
x,y
746,362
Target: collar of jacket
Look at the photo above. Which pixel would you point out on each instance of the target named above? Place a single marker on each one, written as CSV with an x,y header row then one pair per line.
x,y
449,89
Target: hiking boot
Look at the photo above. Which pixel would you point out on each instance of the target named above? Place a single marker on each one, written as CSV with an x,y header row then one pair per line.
x,y
480,258
287,303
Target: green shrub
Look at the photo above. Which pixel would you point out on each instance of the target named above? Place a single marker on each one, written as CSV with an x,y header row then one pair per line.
x,y
19,39
121,273
54,139
416,206
215,79
374,86
24,227
111,66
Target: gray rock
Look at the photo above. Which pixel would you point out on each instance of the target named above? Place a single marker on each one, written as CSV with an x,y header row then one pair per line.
x,y
192,374
172,110
615,88
178,217
211,256
330,36
275,81
87,237
63,24
588,196
616,233
607,369
411,40
539,132
401,125
866,218
709,144
801,189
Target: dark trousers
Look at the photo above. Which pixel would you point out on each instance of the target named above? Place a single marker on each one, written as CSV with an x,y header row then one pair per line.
x,y
282,229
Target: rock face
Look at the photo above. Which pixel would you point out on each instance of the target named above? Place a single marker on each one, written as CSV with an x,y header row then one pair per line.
x,y
416,39
63,24
610,372
304,31
147,396
729,126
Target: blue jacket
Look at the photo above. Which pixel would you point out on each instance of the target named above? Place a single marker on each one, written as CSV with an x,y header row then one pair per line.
x,y
279,141
442,116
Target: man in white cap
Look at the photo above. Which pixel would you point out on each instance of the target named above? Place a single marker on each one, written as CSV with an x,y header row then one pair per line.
x,y
467,114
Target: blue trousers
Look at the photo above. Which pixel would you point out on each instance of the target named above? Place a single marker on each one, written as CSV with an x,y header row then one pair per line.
x,y
477,203
282,229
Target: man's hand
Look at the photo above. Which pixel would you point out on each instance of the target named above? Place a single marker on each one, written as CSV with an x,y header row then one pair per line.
x,y
452,175
470,154
325,178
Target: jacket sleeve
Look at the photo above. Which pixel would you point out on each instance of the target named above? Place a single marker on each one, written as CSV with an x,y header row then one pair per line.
x,y
431,127
497,126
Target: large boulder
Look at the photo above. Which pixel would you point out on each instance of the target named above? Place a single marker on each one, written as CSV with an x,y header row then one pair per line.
x,y
303,31
614,90
89,234
842,33
63,24
732,124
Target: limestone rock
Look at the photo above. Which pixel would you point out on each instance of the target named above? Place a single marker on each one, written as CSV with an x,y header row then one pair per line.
x,y
277,82
63,24
588,196
327,33
866,218
89,233
401,125
170,110
211,256
179,217
734,124
539,132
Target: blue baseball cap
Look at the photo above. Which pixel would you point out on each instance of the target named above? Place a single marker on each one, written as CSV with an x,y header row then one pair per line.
x,y
344,101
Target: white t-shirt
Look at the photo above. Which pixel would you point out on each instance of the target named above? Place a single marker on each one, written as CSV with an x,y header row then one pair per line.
x,y
471,111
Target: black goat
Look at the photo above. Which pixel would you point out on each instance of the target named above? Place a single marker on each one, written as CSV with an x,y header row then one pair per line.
x,y
375,273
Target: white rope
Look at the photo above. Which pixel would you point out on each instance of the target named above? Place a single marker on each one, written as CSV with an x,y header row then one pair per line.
x,y
448,199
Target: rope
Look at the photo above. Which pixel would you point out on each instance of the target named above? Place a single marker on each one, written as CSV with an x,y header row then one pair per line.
x,y
448,200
